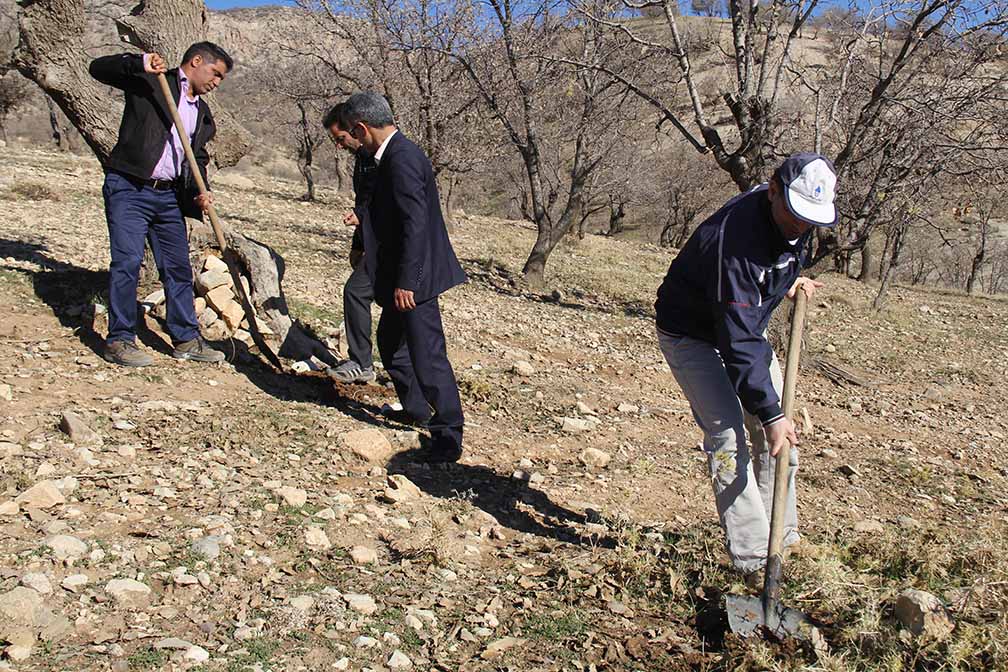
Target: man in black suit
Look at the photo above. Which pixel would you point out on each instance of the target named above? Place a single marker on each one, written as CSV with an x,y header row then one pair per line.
x,y
148,187
410,259
358,294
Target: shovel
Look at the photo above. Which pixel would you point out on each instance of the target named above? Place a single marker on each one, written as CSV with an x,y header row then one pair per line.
x,y
748,615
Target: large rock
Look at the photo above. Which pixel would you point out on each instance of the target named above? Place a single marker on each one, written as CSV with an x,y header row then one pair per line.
x,y
401,489
22,613
576,425
65,547
79,433
363,604
42,495
594,458
219,298
129,593
213,263
923,614
232,314
369,445
210,280
316,538
295,497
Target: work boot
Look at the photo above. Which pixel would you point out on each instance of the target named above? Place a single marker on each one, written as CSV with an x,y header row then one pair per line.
x,y
197,350
126,353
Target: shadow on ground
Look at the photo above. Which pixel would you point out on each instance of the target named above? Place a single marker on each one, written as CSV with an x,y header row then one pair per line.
x,y
512,502
504,281
69,290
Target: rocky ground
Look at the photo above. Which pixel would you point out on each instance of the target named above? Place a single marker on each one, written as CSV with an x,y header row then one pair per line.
x,y
232,517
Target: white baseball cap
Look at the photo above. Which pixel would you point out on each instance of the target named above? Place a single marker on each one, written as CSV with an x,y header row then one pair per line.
x,y
809,182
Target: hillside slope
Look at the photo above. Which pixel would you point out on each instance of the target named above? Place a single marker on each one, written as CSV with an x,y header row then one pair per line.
x,y
236,496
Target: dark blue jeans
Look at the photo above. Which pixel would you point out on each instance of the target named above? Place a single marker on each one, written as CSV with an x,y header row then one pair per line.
x,y
136,213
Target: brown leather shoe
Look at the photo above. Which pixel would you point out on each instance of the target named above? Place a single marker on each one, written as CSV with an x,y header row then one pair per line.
x,y
197,350
126,353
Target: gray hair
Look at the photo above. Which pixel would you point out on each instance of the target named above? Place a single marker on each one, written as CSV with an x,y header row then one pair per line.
x,y
368,107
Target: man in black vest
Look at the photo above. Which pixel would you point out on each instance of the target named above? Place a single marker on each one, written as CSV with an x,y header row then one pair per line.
x,y
408,255
358,295
148,187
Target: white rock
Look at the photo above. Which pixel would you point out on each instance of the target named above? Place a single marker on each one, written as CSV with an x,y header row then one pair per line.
x,y
5,392
74,427
42,495
65,547
363,555
363,604
523,368
207,548
295,497
38,582
315,537
401,489
575,425
10,508
369,445
154,298
365,642
74,582
128,592
303,603
213,263
399,661
594,458
197,654
625,407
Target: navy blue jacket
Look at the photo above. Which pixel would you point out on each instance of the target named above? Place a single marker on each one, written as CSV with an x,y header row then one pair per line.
x,y
722,288
406,244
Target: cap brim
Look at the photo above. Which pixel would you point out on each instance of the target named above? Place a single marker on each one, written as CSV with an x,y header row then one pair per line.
x,y
816,214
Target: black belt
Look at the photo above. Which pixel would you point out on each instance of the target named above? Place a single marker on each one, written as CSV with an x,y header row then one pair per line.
x,y
157,185
160,185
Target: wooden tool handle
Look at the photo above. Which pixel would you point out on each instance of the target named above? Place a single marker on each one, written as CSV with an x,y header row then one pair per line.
x,y
775,556
172,106
243,298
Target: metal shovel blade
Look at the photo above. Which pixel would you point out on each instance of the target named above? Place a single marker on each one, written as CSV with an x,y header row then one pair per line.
x,y
745,616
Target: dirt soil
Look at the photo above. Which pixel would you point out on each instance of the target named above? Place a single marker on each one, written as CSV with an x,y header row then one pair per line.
x,y
522,556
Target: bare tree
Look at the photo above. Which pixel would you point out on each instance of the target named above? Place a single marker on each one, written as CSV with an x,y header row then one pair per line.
x,y
560,118
398,49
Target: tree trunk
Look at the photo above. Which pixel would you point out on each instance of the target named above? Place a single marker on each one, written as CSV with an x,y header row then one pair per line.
x,y
51,53
306,154
446,190
890,269
867,261
978,259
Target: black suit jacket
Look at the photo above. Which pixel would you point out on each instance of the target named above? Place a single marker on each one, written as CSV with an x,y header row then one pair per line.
x,y
406,243
147,122
363,185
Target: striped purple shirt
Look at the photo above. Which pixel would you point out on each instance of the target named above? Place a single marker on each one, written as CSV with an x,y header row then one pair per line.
x,y
169,166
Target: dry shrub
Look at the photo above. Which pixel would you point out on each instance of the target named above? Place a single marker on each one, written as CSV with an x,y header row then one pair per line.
x,y
33,191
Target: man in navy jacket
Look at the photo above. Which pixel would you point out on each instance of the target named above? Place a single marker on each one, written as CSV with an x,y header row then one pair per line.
x,y
148,187
712,312
410,259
